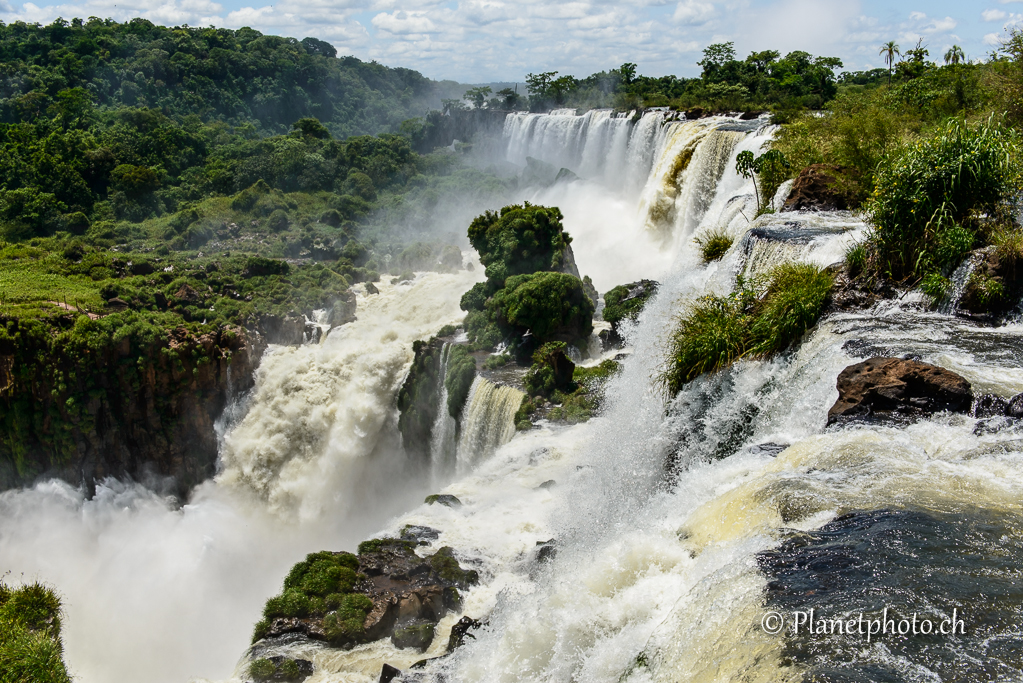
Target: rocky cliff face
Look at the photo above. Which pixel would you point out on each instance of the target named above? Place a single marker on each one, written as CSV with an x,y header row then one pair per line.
x,y
141,405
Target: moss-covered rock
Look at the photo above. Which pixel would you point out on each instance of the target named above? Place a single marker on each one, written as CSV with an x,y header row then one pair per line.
x,y
344,599
625,302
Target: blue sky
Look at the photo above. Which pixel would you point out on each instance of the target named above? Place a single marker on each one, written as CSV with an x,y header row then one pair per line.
x,y
495,40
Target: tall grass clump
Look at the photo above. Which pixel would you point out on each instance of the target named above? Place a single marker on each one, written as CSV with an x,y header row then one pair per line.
x,y
928,196
757,320
714,245
30,645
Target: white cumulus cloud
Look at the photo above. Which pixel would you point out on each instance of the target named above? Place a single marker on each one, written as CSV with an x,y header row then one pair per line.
x,y
992,14
693,12
403,23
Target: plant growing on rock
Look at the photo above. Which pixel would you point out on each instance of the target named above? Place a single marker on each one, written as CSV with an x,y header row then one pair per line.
x,y
757,320
519,240
714,244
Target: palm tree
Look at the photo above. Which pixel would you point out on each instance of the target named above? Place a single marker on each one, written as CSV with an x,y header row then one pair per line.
x,y
954,55
888,51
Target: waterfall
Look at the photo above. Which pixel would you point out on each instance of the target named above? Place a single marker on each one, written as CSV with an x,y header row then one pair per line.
x,y
656,578
442,436
960,278
488,421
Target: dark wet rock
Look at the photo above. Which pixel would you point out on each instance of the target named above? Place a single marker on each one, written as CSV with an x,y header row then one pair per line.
x,y
388,673
988,405
418,402
851,293
914,564
187,295
769,448
288,330
460,631
313,333
816,188
117,304
880,386
420,534
549,484
546,551
1015,406
445,499
372,289
343,310
751,115
417,635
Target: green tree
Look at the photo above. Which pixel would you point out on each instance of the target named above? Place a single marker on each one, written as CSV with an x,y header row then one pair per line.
x,y
889,51
478,96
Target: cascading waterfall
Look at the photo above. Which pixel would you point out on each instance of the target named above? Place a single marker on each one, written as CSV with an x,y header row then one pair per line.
x,y
488,421
655,578
443,434
655,582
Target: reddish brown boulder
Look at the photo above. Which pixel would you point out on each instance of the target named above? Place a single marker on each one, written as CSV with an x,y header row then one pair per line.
x,y
881,386
816,189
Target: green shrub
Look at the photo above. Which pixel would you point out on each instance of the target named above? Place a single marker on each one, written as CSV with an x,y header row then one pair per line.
x,y
496,361
988,291
935,285
519,240
547,304
714,245
714,332
790,306
30,645
925,195
526,408
626,301
856,259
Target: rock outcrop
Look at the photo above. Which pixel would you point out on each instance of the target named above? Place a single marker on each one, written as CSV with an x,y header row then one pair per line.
x,y
133,407
880,387
624,302
409,594
995,285
816,189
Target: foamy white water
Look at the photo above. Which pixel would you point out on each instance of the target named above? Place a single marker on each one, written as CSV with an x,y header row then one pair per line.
x,y
659,509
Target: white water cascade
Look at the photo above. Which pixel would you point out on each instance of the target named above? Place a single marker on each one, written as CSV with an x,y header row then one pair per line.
x,y
488,421
664,512
443,444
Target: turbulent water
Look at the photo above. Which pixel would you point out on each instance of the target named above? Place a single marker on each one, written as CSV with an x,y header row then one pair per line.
x,y
677,524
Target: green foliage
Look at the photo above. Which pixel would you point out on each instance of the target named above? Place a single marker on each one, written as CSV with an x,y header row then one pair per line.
x,y
713,245
526,408
626,301
542,377
520,239
458,381
496,361
30,644
935,285
927,194
550,305
754,321
770,167
856,258
988,291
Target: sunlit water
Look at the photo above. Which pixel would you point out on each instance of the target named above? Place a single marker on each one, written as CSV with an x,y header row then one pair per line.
x,y
677,522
